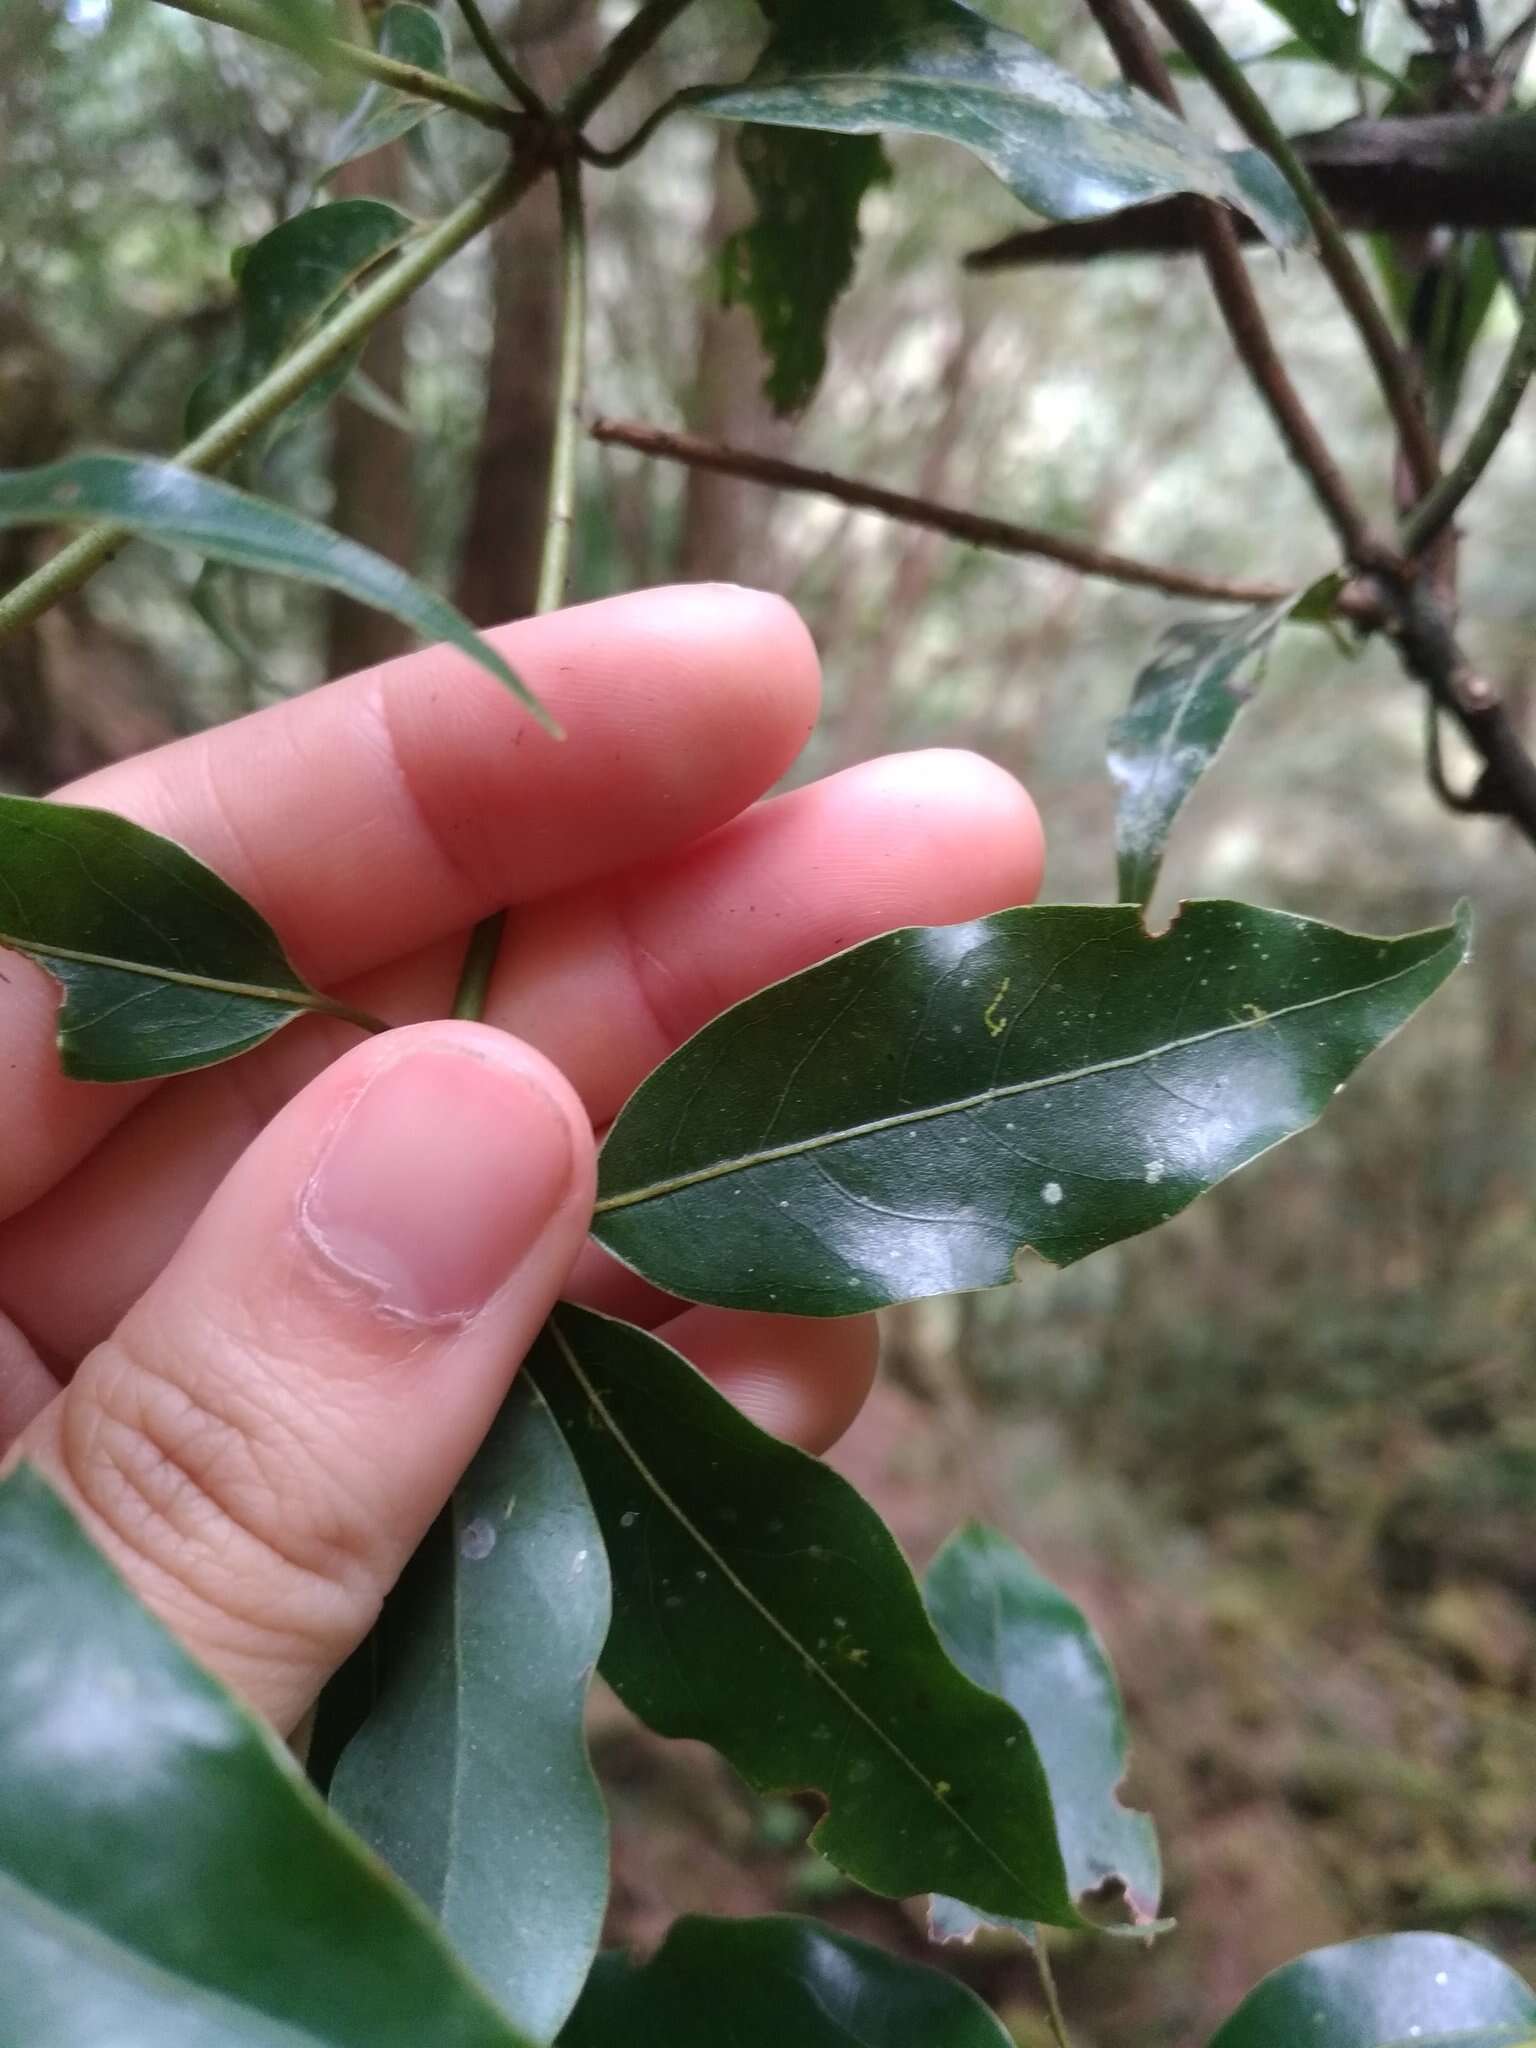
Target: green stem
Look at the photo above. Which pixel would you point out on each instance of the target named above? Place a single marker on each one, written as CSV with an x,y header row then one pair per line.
x,y
620,58
494,55
560,518
1208,54
1054,2013
418,261
265,24
1439,507
479,965
559,521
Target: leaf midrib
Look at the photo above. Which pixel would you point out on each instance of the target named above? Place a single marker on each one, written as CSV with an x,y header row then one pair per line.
x,y
797,1148
298,998
767,1615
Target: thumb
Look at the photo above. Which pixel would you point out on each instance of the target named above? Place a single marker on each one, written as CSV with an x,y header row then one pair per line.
x,y
270,1431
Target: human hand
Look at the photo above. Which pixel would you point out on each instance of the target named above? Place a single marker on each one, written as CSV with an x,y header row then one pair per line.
x,y
255,1321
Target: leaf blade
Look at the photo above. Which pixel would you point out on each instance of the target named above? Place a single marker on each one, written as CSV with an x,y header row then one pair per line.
x,y
936,67
810,1986
837,1170
1383,1991
177,508
410,35
1006,1626
795,259
1183,705
761,1606
253,1918
164,967
471,1777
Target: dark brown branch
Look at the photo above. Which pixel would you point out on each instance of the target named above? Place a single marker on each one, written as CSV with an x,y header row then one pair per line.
x,y
1392,176
1211,229
1003,535
1427,647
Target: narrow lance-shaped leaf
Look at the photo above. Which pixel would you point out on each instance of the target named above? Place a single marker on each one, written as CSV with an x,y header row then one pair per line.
x,y
902,1119
936,67
471,1777
410,35
775,1983
795,260
167,1878
1391,1991
178,508
1007,1627
1184,703
760,1605
164,967
289,282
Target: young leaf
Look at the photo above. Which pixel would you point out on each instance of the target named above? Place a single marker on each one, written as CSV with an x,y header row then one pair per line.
x,y
164,967
903,1119
936,67
1332,31
288,282
410,35
167,1878
775,1983
471,1776
1391,1991
1007,1627
795,260
1184,703
178,508
760,1605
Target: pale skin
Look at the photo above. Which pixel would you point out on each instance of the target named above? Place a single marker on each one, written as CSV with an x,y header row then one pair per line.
x,y
253,1322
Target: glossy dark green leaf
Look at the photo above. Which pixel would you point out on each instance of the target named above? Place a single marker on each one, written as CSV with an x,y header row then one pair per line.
x,y
289,282
1427,1990
164,967
471,1777
775,1983
1007,1627
410,35
794,261
181,510
902,1119
760,1605
167,1878
1331,29
936,67
1183,705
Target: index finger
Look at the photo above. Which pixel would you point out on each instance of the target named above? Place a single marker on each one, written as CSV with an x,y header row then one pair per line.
x,y
386,811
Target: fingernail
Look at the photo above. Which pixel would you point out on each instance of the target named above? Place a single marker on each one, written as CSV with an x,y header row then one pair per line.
x,y
438,1181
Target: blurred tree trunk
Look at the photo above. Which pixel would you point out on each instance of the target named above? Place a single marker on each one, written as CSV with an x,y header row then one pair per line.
x,y
724,520
370,460
33,429
499,568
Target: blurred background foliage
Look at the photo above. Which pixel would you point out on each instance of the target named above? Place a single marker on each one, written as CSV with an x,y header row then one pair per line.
x,y
1285,1450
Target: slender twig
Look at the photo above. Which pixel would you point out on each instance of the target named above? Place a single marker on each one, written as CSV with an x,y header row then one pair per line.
x,y
1226,77
631,43
621,153
559,519
1053,2011
419,260
1142,64
1435,512
1003,535
494,55
266,24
